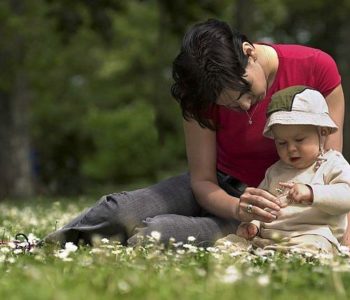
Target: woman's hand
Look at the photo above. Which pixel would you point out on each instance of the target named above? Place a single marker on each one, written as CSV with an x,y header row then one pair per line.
x,y
257,204
247,230
298,192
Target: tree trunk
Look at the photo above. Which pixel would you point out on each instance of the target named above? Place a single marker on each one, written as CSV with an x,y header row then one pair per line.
x,y
343,62
163,115
5,148
15,166
15,175
242,17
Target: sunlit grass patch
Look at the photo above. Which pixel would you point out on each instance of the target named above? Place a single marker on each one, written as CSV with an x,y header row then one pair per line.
x,y
152,271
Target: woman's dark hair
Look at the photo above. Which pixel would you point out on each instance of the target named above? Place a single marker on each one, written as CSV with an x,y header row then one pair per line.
x,y
211,60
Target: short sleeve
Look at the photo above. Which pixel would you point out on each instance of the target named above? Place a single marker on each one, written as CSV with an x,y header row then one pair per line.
x,y
326,73
211,113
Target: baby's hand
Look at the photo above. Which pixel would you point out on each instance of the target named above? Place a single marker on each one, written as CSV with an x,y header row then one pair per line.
x,y
298,192
247,230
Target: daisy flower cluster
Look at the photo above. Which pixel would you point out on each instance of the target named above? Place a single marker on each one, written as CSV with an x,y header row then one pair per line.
x,y
225,263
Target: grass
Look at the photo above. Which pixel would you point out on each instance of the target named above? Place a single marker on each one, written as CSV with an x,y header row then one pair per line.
x,y
112,271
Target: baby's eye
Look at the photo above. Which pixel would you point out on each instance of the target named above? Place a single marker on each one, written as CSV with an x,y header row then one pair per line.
x,y
281,143
299,140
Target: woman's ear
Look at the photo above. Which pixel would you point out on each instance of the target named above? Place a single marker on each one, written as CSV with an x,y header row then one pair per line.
x,y
249,50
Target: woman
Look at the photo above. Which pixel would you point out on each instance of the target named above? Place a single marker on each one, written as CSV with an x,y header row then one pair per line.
x,y
223,83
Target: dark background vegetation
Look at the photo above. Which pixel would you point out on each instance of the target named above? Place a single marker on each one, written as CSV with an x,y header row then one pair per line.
x,y
84,84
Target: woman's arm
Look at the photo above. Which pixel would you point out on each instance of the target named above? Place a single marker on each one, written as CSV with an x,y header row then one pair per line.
x,y
336,106
201,154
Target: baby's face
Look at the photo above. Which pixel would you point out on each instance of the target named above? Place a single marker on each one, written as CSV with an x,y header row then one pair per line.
x,y
297,145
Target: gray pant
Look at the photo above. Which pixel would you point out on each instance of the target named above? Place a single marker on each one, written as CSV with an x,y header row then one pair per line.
x,y
168,207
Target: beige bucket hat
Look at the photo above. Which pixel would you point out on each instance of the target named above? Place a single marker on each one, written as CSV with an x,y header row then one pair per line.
x,y
298,105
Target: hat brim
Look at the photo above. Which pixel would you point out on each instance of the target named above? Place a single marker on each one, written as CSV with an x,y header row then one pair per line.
x,y
298,118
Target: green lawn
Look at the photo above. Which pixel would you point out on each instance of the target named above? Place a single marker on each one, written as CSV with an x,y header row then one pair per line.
x,y
111,271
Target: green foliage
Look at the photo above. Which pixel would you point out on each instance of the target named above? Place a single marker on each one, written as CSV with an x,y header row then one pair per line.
x,y
77,82
125,144
313,23
96,15
88,85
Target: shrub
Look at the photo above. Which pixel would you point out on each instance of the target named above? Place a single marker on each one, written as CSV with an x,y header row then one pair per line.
x,y
125,142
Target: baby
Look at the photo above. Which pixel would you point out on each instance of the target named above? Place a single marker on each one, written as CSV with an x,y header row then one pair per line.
x,y
312,185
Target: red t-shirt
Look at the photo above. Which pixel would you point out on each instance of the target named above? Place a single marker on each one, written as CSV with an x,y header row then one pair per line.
x,y
242,151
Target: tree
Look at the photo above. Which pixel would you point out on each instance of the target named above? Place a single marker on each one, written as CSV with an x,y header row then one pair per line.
x,y
15,96
26,32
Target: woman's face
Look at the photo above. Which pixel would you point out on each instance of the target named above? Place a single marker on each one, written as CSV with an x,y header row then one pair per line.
x,y
256,77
